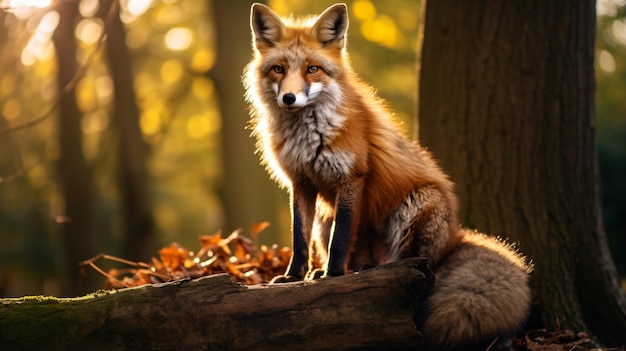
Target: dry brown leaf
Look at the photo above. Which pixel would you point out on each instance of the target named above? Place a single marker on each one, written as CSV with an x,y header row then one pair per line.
x,y
236,255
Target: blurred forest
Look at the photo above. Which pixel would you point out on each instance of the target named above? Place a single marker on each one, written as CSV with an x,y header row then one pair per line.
x,y
155,148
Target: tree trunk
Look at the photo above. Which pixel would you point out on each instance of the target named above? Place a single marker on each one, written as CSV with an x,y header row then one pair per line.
x,y
506,105
74,174
248,194
371,309
139,239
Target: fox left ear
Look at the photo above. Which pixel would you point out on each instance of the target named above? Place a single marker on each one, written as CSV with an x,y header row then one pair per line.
x,y
267,27
332,26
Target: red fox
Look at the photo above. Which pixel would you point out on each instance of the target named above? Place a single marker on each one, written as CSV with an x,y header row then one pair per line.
x,y
362,194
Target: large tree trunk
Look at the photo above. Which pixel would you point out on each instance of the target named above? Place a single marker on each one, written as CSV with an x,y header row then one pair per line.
x,y
74,174
139,238
372,309
248,194
506,105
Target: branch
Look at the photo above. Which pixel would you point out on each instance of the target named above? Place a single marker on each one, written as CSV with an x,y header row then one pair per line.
x,y
370,309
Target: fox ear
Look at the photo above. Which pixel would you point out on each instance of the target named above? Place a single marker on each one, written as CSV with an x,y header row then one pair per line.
x,y
266,26
332,26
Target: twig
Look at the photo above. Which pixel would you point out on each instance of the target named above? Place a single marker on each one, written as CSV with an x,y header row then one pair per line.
x,y
115,259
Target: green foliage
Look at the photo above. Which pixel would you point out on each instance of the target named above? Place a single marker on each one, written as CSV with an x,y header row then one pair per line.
x,y
611,123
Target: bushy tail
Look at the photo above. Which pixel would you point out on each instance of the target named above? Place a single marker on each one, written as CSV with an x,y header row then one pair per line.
x,y
481,294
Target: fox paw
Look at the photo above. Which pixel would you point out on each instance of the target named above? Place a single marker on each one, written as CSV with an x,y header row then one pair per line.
x,y
284,279
315,274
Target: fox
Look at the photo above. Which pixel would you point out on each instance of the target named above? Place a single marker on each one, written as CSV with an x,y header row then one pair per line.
x,y
361,193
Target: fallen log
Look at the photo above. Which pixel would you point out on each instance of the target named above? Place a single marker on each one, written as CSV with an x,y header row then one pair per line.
x,y
366,310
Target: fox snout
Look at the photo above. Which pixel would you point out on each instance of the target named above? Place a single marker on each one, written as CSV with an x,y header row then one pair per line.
x,y
291,101
292,93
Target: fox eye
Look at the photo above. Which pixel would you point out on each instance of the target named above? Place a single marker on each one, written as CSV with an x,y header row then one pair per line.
x,y
312,69
278,69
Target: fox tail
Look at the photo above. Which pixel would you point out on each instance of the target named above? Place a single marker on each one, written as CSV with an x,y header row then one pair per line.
x,y
481,294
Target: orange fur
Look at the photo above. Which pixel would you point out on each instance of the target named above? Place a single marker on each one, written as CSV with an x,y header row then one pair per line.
x,y
367,133
361,193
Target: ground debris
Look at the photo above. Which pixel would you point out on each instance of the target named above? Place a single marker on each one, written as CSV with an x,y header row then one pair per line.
x,y
236,255
558,340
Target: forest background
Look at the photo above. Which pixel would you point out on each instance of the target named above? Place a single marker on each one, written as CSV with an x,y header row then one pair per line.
x,y
193,155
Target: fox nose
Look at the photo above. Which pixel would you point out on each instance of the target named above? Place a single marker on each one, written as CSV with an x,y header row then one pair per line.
x,y
289,98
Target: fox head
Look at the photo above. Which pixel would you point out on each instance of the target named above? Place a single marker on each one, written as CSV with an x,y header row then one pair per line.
x,y
298,59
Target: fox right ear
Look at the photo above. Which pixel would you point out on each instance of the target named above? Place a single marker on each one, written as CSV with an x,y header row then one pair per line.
x,y
332,26
266,26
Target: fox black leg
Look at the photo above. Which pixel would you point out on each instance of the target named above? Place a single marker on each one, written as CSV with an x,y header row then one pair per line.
x,y
303,210
347,208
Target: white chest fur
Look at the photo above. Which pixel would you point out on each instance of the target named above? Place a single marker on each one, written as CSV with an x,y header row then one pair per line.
x,y
307,144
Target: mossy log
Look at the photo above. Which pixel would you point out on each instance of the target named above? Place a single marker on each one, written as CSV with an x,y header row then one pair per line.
x,y
367,310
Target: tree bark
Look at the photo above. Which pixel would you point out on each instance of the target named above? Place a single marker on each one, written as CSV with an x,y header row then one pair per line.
x,y
371,309
78,235
506,105
139,238
249,196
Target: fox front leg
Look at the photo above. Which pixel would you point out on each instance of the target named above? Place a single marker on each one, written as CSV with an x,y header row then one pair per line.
x,y
347,215
303,197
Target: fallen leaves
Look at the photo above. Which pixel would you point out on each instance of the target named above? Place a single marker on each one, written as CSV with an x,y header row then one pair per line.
x,y
235,255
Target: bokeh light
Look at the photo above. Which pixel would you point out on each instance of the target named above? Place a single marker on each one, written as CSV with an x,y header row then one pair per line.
x,y
179,38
